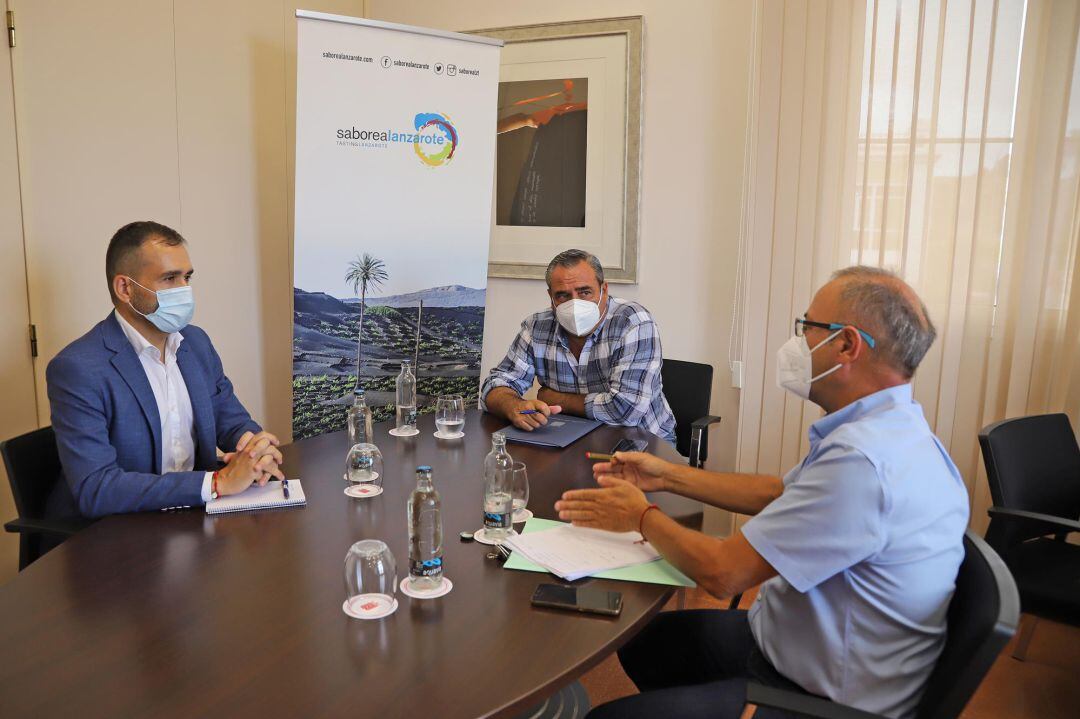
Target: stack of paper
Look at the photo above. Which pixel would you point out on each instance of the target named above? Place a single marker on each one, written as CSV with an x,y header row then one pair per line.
x,y
574,552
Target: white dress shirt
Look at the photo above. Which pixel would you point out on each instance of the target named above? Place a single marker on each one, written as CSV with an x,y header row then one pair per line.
x,y
173,402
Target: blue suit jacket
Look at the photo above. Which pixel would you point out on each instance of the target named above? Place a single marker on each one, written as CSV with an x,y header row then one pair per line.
x,y
108,430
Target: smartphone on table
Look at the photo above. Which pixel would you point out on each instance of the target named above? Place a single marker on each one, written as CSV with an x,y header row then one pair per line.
x,y
591,600
630,445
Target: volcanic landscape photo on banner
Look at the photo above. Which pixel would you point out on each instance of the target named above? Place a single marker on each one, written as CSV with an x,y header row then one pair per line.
x,y
395,142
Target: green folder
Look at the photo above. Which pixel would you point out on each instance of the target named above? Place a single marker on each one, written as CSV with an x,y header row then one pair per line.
x,y
658,572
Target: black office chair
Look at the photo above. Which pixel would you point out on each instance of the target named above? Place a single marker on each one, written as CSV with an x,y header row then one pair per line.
x,y
982,618
688,389
1033,466
33,468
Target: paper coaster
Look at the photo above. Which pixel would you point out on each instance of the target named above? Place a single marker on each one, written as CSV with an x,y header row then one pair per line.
x,y
408,432
480,535
440,435
441,590
370,606
521,515
372,478
363,490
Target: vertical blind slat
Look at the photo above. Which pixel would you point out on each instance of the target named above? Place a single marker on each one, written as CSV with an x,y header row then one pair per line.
x,y
885,196
869,127
1042,400
949,365
912,141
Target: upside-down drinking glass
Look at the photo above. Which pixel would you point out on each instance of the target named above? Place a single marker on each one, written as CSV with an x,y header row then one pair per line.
x,y
370,580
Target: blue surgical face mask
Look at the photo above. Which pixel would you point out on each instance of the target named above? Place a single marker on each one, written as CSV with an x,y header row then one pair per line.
x,y
175,308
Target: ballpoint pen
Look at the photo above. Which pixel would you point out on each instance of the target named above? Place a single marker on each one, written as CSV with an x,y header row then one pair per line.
x,y
555,409
285,488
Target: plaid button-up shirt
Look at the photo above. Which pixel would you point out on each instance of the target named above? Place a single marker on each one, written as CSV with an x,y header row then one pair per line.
x,y
618,370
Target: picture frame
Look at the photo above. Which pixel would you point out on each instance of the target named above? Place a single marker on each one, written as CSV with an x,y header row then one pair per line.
x,y
598,211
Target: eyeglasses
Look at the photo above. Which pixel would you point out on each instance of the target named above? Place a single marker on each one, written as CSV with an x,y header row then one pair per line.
x,y
801,325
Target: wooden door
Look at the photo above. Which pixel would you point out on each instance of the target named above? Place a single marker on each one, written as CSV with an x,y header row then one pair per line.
x,y
19,411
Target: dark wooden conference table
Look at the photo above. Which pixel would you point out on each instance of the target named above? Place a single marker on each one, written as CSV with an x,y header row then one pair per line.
x,y
180,614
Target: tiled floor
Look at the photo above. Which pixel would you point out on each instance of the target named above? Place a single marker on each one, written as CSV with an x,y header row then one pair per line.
x,y
1045,686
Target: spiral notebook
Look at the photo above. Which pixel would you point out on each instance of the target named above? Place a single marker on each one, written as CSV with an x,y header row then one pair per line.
x,y
269,496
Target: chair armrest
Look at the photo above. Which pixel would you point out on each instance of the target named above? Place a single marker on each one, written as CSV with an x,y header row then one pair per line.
x,y
804,704
53,527
699,439
1050,522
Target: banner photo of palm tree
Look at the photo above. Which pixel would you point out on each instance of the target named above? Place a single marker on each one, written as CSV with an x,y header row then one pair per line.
x,y
364,273
344,343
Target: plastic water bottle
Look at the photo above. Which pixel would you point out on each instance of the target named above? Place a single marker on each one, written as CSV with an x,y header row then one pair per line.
x,y
360,429
425,534
498,500
406,399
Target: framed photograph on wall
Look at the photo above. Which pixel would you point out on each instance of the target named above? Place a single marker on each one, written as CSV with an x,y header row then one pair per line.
x,y
568,147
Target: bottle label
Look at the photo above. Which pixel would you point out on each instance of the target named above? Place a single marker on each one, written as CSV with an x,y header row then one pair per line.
x,y
426,568
411,419
496,521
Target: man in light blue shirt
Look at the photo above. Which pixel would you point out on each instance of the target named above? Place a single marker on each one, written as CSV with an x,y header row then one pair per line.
x,y
858,546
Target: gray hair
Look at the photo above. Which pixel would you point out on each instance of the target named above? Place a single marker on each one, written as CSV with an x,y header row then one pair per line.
x,y
883,305
571,258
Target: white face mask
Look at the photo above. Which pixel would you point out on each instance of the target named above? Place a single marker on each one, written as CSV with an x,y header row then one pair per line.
x,y
579,316
794,367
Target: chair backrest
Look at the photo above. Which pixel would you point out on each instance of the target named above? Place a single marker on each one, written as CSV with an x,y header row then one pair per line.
x,y
1033,464
982,618
33,468
688,389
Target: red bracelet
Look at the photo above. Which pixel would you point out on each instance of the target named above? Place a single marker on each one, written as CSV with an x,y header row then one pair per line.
x,y
641,522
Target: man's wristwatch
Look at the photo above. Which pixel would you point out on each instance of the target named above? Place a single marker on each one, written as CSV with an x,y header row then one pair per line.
x,y
213,486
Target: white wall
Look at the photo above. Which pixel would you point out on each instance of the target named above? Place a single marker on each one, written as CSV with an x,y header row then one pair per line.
x,y
185,116
696,75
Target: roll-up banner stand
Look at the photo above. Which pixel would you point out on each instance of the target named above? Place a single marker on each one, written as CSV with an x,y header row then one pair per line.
x,y
395,155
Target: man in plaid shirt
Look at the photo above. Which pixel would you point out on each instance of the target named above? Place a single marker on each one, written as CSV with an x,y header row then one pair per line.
x,y
594,356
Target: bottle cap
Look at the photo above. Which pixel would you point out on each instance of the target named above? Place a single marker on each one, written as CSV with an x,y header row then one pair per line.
x,y
423,468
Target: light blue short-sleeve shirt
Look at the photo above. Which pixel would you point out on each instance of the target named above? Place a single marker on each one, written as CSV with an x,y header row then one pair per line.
x,y
867,538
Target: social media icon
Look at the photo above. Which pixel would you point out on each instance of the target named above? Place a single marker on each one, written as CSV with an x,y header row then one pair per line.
x,y
451,70
438,68
385,61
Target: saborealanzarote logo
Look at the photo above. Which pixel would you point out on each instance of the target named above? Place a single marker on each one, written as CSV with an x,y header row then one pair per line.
x,y
443,130
434,141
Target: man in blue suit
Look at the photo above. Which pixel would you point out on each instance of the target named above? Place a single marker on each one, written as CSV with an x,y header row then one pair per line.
x,y
140,403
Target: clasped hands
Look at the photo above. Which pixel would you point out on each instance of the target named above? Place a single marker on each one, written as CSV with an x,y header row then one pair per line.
x,y
256,459
618,504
